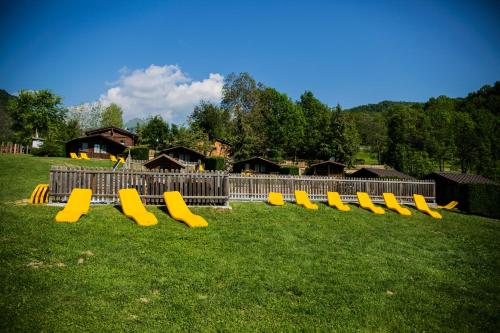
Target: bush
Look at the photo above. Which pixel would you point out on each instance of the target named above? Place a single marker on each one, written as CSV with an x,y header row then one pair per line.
x,y
138,153
289,170
49,148
480,199
214,163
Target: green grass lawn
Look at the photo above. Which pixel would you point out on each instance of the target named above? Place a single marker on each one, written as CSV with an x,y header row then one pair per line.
x,y
368,157
255,268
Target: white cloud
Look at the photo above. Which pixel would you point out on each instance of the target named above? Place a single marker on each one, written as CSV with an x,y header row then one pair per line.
x,y
164,90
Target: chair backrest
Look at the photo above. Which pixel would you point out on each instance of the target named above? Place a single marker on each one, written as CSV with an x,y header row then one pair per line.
x,y
131,201
420,202
113,158
390,200
334,199
73,155
276,198
364,200
301,197
176,205
79,200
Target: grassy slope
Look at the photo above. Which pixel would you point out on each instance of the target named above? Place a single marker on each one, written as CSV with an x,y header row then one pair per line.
x,y
254,268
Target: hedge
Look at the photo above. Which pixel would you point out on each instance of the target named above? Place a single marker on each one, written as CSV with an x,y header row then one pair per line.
x,y
480,199
138,153
214,163
289,170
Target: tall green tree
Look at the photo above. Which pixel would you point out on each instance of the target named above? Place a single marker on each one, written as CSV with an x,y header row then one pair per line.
x,y
112,116
211,119
155,133
34,111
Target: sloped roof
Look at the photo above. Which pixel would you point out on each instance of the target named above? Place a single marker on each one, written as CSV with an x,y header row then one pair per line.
x,y
116,129
328,162
166,151
462,178
257,158
157,160
105,138
384,173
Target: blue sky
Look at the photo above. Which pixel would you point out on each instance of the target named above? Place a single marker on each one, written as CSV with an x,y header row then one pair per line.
x,y
350,52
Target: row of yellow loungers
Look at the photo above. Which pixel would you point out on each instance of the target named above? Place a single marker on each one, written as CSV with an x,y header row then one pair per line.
x,y
79,204
84,156
334,200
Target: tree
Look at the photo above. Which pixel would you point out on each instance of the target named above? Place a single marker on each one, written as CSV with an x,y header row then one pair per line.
x,y
88,115
155,133
211,119
112,116
34,111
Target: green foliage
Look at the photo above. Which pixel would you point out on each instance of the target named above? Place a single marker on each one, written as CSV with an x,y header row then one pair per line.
x,y
138,153
480,199
214,163
112,116
49,148
154,133
289,170
5,117
34,111
211,119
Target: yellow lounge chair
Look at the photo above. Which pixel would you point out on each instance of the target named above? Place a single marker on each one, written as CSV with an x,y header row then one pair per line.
x,y
335,201
132,207
275,199
366,203
84,156
392,203
424,208
74,156
302,199
78,204
449,206
180,211
122,160
112,158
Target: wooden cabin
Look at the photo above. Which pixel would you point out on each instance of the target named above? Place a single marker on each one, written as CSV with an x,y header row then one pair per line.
x,y
164,162
102,142
381,173
184,155
256,165
327,168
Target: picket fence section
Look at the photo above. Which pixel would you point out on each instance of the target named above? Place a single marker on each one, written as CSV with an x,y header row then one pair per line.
x,y
210,188
14,148
257,187
216,188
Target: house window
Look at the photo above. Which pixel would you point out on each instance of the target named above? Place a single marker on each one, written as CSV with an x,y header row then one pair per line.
x,y
85,146
103,149
97,148
247,166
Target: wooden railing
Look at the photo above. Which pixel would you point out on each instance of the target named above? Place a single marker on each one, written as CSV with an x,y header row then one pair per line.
x,y
210,188
257,187
216,188
14,148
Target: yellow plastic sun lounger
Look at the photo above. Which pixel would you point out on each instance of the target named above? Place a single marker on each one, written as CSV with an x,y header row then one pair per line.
x,y
132,207
78,204
424,208
275,199
180,211
302,199
122,160
449,206
74,156
334,200
366,203
392,203
84,156
112,158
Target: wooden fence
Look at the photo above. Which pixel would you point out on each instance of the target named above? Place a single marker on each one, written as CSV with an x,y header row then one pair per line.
x,y
209,188
257,187
216,188
14,148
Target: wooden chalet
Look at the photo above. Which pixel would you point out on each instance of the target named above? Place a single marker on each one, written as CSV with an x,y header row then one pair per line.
x,y
449,185
184,155
327,168
256,165
102,142
164,162
381,173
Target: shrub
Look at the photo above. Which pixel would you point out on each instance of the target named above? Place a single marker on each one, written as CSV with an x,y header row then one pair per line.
x,y
214,163
138,153
49,148
289,170
480,199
